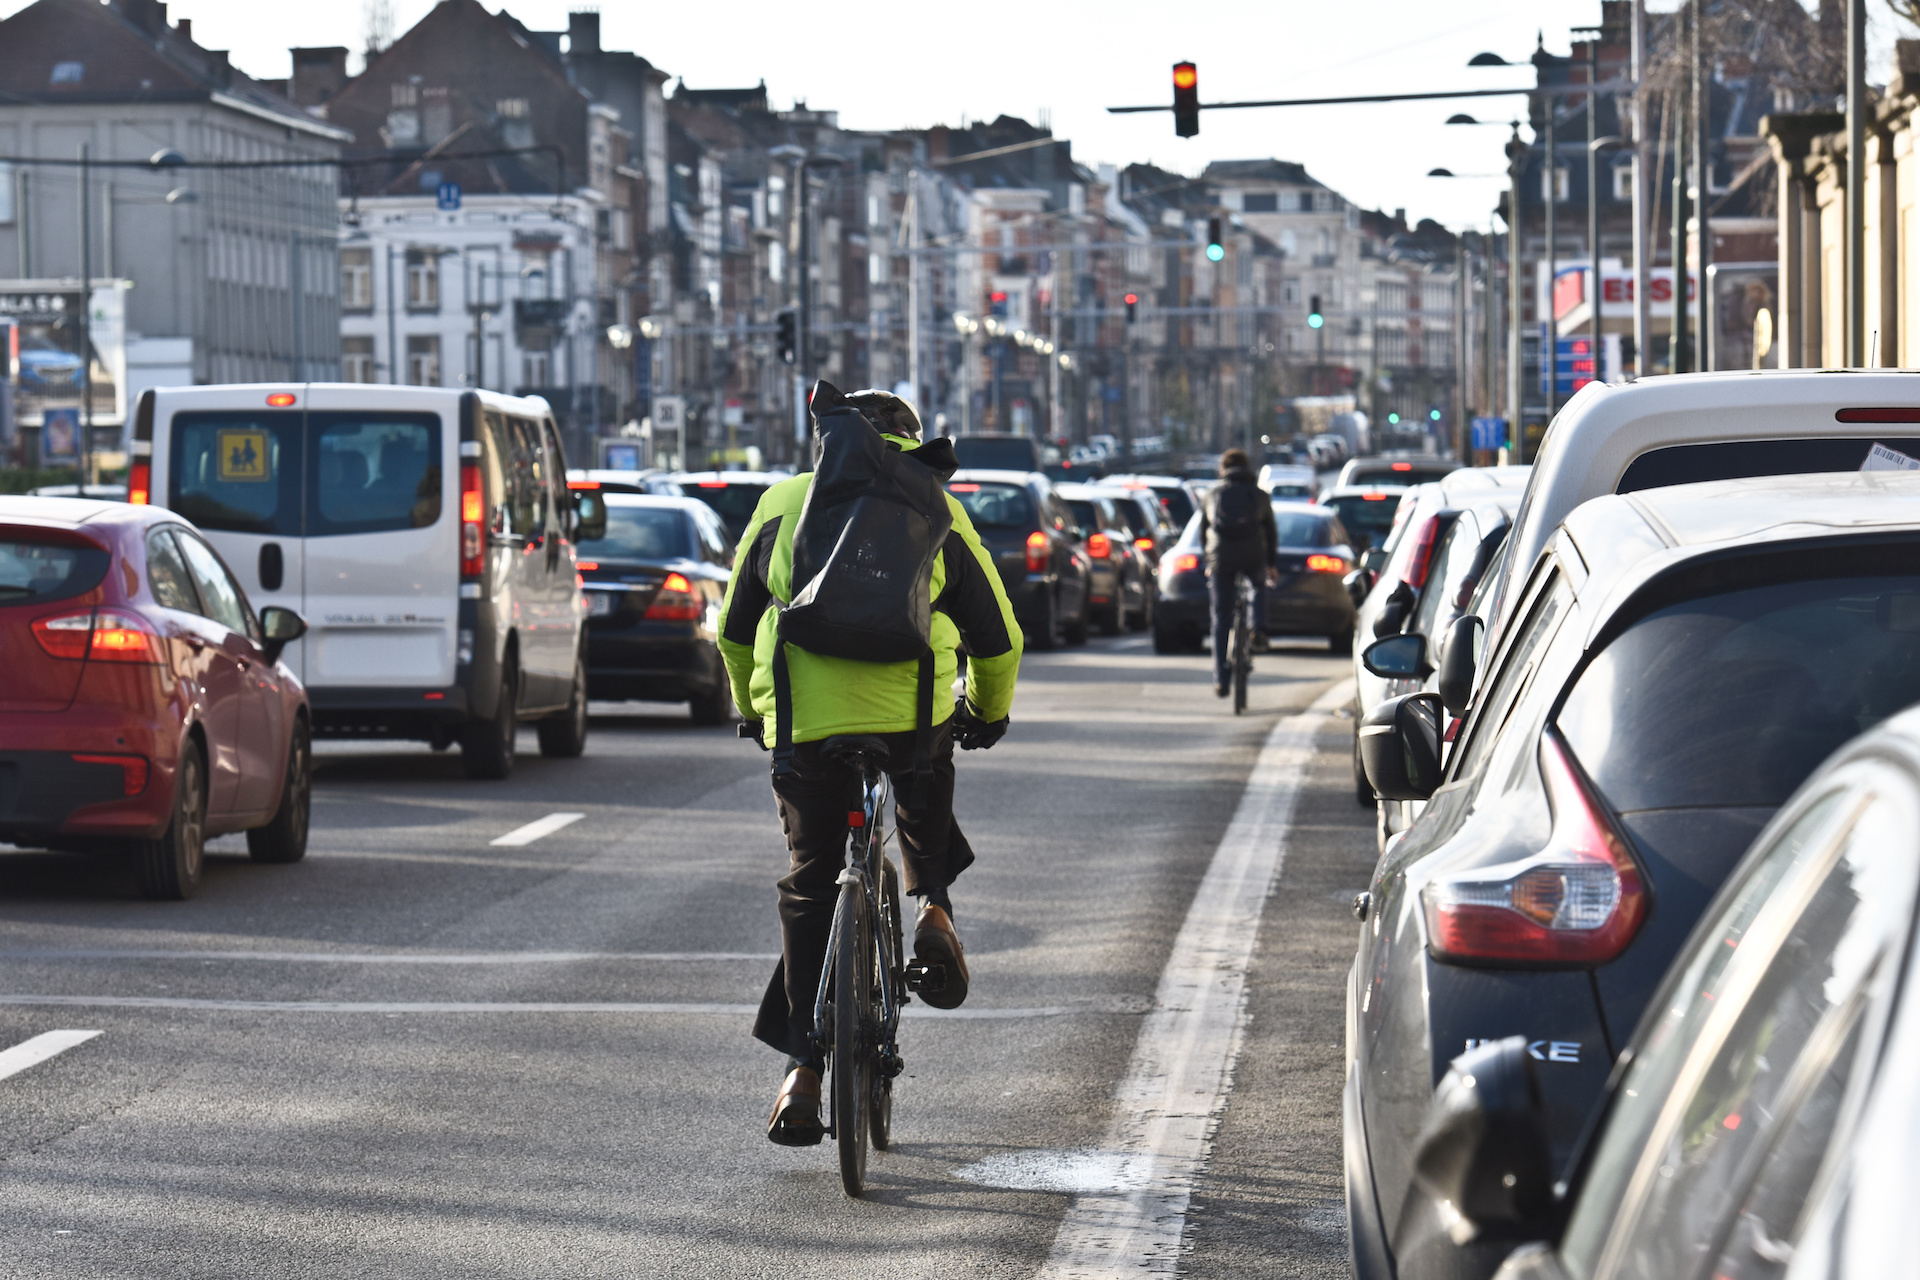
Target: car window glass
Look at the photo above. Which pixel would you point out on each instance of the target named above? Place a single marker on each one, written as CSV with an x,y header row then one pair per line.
x,y
1740,459
994,506
526,480
1302,529
220,599
1734,698
1452,560
35,568
237,470
640,533
374,472
1178,504
715,535
496,465
559,498
1767,1024
1517,664
167,574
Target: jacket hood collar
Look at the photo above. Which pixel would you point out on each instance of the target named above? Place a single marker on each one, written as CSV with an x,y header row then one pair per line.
x,y
936,454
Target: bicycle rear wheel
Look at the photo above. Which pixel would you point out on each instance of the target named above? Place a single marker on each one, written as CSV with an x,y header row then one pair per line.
x,y
1242,663
853,1047
880,1108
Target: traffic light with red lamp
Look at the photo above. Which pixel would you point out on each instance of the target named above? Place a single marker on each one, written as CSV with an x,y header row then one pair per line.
x,y
1133,302
1186,100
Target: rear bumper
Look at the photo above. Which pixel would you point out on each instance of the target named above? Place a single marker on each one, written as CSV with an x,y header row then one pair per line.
x,y
44,794
1028,594
652,668
346,711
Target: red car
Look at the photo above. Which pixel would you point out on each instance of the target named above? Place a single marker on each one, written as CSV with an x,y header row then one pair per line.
x,y
144,706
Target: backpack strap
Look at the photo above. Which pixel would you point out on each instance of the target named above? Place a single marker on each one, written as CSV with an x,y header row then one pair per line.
x,y
923,733
782,712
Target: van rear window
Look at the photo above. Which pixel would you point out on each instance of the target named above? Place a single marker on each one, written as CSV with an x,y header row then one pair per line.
x,y
33,570
1739,459
306,474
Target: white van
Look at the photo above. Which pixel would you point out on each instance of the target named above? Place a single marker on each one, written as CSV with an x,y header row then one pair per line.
x,y
426,534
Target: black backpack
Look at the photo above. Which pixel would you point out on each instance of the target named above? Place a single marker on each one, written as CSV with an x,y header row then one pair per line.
x,y
1234,511
873,524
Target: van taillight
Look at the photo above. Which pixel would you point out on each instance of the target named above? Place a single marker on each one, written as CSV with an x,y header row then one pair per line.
x,y
1578,901
675,601
1422,557
472,521
140,483
1038,552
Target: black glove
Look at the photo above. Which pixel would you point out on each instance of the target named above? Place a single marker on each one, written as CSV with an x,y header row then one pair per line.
x,y
973,733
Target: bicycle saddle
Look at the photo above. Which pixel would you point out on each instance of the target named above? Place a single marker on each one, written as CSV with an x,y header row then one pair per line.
x,y
853,750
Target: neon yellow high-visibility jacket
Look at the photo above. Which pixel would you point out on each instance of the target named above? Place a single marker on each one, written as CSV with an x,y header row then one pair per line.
x,y
843,695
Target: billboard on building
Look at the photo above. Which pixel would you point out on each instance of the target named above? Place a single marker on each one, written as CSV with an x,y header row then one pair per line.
x,y
50,370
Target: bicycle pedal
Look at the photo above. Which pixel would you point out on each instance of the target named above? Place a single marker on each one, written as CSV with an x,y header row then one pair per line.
x,y
930,979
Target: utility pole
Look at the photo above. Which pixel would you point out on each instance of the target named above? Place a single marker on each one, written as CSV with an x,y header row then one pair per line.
x,y
1642,171
1517,153
1593,194
1677,344
1856,238
913,287
86,319
1462,345
1550,331
1703,182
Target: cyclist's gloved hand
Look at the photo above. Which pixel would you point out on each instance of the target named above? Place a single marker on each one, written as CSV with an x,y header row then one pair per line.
x,y
973,733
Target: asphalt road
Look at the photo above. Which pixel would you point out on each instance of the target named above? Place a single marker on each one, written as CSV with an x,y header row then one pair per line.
x,y
387,1061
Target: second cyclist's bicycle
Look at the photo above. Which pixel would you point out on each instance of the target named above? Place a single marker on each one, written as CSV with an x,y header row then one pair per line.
x,y
1240,651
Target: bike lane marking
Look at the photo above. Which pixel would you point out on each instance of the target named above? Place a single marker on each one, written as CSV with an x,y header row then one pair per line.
x,y
671,1007
1181,1072
534,830
31,1053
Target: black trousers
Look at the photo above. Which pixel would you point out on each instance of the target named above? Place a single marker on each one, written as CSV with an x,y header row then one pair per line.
x,y
1224,586
814,804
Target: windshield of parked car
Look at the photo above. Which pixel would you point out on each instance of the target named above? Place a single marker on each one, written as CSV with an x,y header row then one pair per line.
x,y
1177,503
1366,515
732,502
1298,528
640,533
1087,515
1734,698
33,569
994,506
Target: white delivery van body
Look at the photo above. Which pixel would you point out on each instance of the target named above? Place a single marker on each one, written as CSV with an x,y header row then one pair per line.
x,y
424,533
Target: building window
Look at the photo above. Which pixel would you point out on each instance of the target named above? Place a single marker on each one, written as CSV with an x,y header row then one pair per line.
x,y
68,73
356,281
1623,182
620,229
536,273
1559,184
423,360
7,181
356,359
536,368
436,116
515,120
423,281
1290,293
1260,202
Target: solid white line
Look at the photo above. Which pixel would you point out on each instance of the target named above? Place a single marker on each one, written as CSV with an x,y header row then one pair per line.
x,y
391,957
534,830
31,1053
1182,1065
489,1006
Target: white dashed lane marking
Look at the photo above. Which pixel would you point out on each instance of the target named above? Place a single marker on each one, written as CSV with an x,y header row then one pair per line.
x,y
31,1053
534,830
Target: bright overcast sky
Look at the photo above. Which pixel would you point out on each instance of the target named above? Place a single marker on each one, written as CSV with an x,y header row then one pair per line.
x,y
881,64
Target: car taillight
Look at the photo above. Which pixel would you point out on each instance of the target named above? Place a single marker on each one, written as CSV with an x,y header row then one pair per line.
x,y
1144,543
1037,552
586,566
675,601
106,636
140,483
1185,562
1578,901
1099,546
472,519
1326,564
1422,557
133,771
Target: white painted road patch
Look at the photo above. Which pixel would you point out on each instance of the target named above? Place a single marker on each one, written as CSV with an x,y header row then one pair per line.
x,y
1182,1067
31,1053
534,830
1089,1172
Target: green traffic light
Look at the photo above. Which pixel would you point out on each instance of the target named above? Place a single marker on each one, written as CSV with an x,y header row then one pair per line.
x,y
1393,418
1215,253
1434,414
1315,320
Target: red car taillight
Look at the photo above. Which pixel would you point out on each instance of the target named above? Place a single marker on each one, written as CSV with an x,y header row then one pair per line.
x,y
1037,552
1422,557
675,601
1578,901
472,519
1185,562
1144,543
1099,546
1326,564
133,771
107,635
140,483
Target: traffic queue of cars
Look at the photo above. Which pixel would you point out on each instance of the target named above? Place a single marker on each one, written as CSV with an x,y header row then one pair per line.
x,y
1628,977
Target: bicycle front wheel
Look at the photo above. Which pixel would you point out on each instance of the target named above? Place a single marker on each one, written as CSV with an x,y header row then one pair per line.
x,y
880,1108
853,1035
1242,663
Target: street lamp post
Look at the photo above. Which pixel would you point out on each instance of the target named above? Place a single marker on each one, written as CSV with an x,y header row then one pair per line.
x,y
966,326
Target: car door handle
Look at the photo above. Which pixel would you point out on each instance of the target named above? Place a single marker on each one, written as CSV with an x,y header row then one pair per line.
x,y
195,643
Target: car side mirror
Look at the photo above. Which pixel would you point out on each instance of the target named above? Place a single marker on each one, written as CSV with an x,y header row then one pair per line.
x,y
1357,583
1458,663
1393,614
1482,1153
589,515
1374,561
279,627
1400,747
1401,657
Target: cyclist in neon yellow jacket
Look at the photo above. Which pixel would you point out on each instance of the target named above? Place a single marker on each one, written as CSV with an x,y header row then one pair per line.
x,y
838,696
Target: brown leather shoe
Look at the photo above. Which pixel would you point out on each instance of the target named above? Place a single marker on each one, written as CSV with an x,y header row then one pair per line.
x,y
936,944
796,1112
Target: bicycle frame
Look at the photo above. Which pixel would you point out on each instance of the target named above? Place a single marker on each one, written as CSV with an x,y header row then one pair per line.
x,y
868,849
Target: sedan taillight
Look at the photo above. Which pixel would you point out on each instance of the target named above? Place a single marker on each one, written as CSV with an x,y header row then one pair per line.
x,y
105,635
1037,552
675,601
1185,562
1099,546
1326,564
1579,901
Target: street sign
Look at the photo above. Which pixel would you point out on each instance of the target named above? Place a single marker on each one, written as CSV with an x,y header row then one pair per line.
x,y
669,412
449,196
1575,364
1489,434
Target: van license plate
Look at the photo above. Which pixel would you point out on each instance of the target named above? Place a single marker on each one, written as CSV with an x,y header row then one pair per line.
x,y
599,604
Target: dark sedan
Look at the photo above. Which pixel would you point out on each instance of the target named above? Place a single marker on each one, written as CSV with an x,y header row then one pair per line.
x,y
1029,532
1121,588
654,585
1677,663
1315,555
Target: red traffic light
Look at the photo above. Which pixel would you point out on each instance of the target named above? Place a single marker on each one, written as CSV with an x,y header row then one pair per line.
x,y
1186,99
1185,76
1132,298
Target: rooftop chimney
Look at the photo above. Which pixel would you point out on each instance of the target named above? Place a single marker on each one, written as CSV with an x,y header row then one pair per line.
x,y
317,74
185,28
583,33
